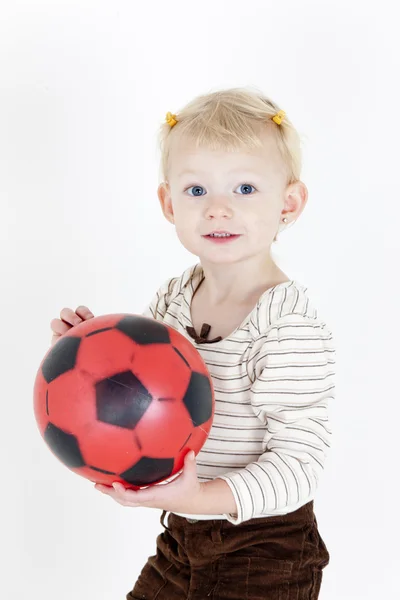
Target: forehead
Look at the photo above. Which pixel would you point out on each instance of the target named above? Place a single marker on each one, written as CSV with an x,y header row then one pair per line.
x,y
186,157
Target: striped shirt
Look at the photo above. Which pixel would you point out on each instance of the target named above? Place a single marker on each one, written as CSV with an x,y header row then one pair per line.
x,y
273,378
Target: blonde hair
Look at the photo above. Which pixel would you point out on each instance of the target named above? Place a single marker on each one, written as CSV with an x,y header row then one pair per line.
x,y
230,119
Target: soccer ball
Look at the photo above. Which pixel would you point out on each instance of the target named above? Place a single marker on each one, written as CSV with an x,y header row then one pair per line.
x,y
123,397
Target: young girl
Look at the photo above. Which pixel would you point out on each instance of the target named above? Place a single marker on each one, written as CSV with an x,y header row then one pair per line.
x,y
241,522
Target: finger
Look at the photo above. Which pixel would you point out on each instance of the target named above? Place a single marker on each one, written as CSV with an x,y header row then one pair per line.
x,y
84,312
56,327
118,487
54,339
102,488
59,327
110,491
124,493
70,317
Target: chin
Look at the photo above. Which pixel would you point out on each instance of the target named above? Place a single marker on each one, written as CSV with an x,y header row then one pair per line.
x,y
220,259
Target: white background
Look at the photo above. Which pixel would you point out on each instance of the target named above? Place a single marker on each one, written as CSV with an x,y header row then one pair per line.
x,y
84,87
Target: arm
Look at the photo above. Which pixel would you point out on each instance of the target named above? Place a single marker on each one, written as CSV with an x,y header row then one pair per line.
x,y
292,375
216,499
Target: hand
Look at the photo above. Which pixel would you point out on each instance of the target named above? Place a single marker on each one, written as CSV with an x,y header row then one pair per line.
x,y
69,319
183,494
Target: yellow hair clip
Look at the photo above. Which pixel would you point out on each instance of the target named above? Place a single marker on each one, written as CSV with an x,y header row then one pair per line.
x,y
171,119
278,117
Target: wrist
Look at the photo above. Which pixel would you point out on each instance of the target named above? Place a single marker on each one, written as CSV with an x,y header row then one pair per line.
x,y
215,498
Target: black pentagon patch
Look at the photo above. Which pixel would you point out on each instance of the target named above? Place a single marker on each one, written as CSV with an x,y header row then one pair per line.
x,y
181,355
148,470
143,330
121,400
64,445
198,399
61,358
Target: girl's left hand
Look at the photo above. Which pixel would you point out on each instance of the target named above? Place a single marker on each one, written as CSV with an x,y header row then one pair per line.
x,y
183,494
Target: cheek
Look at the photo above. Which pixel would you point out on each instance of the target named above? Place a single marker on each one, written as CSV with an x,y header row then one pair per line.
x,y
185,228
264,217
261,228
186,216
259,221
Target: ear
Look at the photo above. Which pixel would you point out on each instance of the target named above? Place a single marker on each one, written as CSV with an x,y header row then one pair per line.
x,y
164,197
296,197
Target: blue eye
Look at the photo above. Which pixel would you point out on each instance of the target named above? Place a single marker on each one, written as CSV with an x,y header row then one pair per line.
x,y
247,185
196,187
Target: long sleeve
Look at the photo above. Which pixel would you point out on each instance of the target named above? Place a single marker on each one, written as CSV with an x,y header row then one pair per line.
x,y
292,370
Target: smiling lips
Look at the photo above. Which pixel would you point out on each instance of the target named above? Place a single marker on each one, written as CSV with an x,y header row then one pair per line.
x,y
221,236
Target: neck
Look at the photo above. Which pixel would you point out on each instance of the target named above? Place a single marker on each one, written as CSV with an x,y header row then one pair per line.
x,y
239,282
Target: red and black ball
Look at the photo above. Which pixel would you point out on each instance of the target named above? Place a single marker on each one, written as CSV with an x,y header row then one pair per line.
x,y
123,397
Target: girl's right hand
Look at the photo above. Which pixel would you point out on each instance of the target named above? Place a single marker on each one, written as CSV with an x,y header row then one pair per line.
x,y
69,319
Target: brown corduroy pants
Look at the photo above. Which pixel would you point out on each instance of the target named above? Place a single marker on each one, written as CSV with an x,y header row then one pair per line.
x,y
271,558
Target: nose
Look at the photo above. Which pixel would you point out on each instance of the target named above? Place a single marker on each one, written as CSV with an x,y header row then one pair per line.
x,y
218,207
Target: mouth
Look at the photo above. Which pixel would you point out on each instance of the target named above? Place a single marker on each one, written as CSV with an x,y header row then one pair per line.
x,y
221,236
220,233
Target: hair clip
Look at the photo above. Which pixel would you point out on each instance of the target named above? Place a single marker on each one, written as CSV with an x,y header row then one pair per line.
x,y
171,119
278,117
